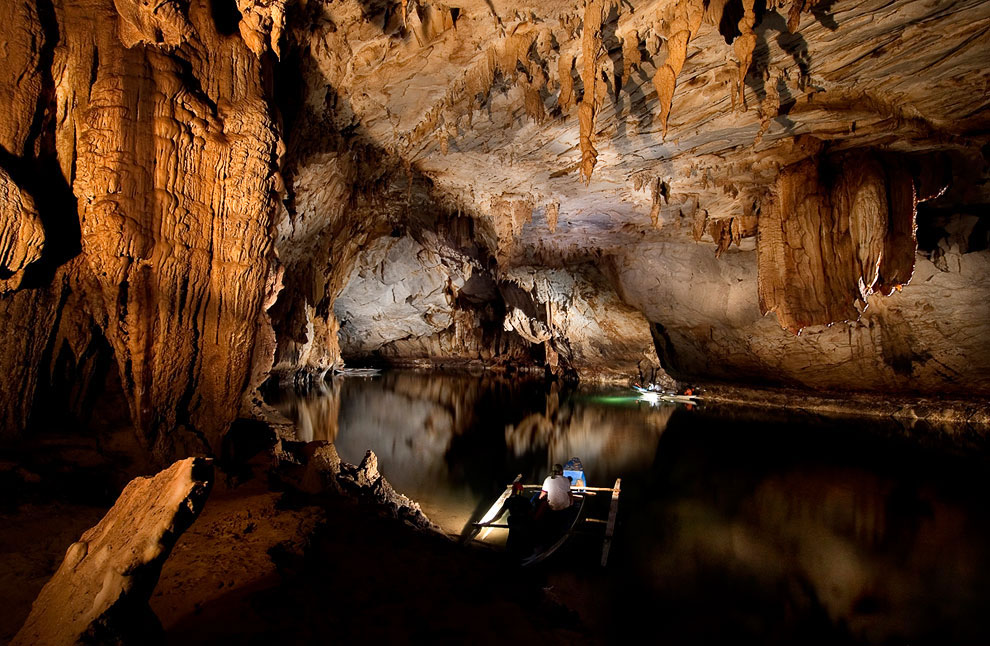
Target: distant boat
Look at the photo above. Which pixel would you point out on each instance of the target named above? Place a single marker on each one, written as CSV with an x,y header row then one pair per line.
x,y
656,396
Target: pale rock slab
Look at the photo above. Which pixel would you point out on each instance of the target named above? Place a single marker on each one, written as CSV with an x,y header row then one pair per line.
x,y
100,592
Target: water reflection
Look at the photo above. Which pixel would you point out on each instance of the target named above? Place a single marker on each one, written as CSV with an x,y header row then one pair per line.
x,y
451,441
783,529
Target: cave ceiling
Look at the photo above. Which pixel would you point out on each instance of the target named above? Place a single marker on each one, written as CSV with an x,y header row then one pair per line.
x,y
485,100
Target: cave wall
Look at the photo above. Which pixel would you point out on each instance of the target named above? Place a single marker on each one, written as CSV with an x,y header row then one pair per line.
x,y
572,136
158,118
929,337
420,300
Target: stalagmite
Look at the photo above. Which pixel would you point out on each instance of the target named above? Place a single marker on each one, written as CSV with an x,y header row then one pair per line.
x,y
566,99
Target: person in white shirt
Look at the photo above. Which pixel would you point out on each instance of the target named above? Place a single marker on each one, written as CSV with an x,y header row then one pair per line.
x,y
557,489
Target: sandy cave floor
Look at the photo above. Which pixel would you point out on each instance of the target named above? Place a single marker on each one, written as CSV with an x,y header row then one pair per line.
x,y
261,566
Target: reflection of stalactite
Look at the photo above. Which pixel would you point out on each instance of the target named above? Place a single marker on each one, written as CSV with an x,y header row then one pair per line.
x,y
533,432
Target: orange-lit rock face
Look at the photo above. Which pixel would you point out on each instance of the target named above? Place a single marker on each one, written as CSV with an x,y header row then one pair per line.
x,y
22,235
175,157
161,126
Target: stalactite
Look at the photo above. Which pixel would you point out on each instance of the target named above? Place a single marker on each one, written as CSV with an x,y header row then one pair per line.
x,y
744,45
824,246
594,89
659,192
565,64
687,17
535,109
901,241
553,212
721,231
770,106
631,57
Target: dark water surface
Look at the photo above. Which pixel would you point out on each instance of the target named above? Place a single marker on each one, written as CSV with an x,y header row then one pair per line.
x,y
779,528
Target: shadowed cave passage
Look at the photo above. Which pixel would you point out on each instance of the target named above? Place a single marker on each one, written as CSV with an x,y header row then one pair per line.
x,y
331,274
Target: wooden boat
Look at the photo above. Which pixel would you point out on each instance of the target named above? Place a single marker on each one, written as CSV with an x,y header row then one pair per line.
x,y
552,530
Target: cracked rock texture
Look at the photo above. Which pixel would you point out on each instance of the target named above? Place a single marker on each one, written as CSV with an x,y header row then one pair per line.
x,y
713,161
100,592
398,289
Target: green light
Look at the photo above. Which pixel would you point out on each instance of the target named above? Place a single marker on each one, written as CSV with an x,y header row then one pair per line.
x,y
613,400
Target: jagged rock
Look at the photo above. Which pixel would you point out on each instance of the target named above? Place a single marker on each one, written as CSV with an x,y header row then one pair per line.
x,y
100,592
325,471
367,481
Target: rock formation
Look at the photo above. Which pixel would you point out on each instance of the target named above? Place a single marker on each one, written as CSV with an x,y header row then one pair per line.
x,y
160,124
824,249
324,471
100,592
736,122
195,192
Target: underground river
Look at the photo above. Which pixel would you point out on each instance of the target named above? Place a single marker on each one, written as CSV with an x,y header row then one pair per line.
x,y
784,526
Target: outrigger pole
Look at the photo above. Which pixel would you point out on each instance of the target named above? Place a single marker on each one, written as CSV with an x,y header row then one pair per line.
x,y
610,527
